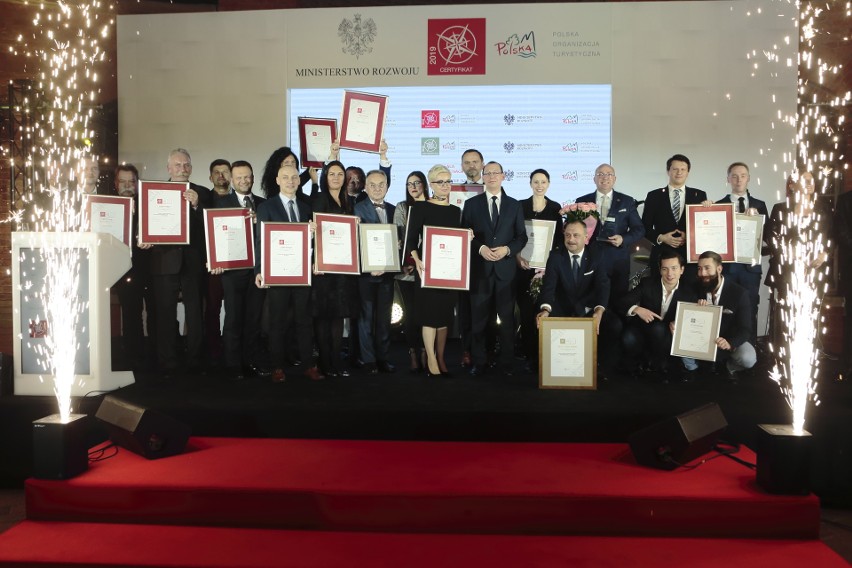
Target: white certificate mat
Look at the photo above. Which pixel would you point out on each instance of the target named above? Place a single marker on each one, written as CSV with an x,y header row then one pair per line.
x,y
164,210
749,238
286,259
229,239
379,247
539,241
696,330
567,353
337,243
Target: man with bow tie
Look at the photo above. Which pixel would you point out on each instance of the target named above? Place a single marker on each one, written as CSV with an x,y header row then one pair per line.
x,y
375,289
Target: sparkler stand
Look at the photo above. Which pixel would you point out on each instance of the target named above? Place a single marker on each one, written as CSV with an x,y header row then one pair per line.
x,y
60,450
783,459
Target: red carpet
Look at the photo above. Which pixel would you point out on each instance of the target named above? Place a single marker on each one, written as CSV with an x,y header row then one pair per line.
x,y
522,489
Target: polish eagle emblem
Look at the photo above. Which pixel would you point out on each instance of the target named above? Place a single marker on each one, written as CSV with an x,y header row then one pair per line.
x,y
357,35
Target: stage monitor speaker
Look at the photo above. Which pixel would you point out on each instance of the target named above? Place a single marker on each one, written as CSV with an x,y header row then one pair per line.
x,y
143,431
678,440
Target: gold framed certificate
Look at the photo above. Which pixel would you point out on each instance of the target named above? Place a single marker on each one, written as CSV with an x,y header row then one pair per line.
x,y
695,331
567,354
749,238
379,247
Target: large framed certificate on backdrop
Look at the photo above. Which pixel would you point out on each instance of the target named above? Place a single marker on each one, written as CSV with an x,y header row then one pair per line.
x,y
163,213
446,258
229,238
710,228
110,214
362,121
379,247
749,238
285,254
540,234
459,193
696,330
337,243
315,138
567,353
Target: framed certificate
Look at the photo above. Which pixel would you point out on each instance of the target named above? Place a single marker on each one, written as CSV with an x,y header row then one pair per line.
x,y
539,241
446,258
695,331
379,247
567,354
315,138
337,243
462,192
362,121
285,254
110,214
163,213
229,238
749,237
710,228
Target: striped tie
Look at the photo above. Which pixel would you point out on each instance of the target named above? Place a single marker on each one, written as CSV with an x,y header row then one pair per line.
x,y
676,204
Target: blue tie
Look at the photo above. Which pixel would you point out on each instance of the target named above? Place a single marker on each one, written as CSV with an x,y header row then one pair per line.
x,y
293,217
575,267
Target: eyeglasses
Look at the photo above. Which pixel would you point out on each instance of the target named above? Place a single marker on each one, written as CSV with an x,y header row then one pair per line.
x,y
492,173
413,184
603,175
442,182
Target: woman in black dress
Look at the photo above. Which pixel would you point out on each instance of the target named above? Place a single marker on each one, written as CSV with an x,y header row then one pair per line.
x,y
335,295
433,307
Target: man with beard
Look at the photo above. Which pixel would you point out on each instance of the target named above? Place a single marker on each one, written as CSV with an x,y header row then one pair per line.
x,y
220,177
736,353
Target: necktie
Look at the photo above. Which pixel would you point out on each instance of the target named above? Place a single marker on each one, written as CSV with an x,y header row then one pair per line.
x,y
495,214
380,206
575,267
741,206
294,218
604,208
248,202
676,204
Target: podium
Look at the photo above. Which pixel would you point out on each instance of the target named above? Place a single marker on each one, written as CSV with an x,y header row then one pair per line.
x,y
103,259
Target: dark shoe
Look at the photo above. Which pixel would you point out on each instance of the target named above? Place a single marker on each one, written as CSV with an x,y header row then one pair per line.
x,y
370,369
278,376
446,374
466,361
508,371
476,371
330,374
356,363
385,367
344,373
687,376
314,374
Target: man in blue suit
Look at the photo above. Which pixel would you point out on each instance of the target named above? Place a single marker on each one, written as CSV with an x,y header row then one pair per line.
x,y
497,222
746,275
619,228
375,289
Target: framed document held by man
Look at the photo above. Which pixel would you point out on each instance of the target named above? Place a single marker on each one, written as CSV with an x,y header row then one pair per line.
x,y
695,331
337,243
710,228
379,247
749,238
567,353
540,234
316,136
446,258
362,121
285,254
110,214
163,213
229,239
459,193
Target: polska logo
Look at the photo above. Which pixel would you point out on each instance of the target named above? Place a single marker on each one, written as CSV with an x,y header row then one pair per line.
x,y
572,147
357,35
523,46
449,119
509,119
38,329
570,176
430,119
572,119
509,147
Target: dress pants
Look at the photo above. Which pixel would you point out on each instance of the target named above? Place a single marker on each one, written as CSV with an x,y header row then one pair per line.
x,y
166,289
375,320
243,308
489,291
298,327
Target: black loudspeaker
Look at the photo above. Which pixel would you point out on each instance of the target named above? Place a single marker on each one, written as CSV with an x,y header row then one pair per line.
x,y
678,440
141,430
60,450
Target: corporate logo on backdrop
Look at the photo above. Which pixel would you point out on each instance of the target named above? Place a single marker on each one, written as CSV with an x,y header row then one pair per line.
x,y
449,119
357,35
456,46
510,119
430,146
581,147
572,147
449,146
430,119
585,119
519,46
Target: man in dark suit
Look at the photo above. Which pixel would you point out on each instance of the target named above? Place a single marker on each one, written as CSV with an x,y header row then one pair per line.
x,y
746,275
735,330
649,311
497,222
179,270
664,215
576,284
619,228
288,208
375,289
243,300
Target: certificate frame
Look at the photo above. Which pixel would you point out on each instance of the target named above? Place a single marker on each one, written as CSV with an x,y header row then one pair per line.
x,y
461,192
145,194
430,234
388,231
753,254
268,230
322,265
126,203
544,225
552,332
242,221
309,128
685,310
723,212
348,137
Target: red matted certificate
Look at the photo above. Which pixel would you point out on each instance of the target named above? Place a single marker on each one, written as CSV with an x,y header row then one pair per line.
x,y
362,121
446,254
459,193
285,254
337,243
711,228
110,214
229,239
316,136
163,213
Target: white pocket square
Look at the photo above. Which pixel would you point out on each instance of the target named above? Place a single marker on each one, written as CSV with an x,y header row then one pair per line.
x,y
726,311
588,273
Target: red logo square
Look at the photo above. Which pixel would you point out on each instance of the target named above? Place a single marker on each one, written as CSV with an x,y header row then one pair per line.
x,y
456,47
430,119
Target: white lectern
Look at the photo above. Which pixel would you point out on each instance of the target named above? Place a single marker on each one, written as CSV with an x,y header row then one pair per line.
x,y
103,260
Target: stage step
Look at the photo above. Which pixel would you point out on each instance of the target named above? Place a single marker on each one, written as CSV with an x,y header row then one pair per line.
x,y
422,487
55,544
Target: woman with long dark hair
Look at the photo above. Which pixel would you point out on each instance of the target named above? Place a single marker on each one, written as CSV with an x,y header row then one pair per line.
x,y
284,156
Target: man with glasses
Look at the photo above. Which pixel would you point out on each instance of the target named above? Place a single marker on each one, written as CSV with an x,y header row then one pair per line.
x,y
618,229
497,222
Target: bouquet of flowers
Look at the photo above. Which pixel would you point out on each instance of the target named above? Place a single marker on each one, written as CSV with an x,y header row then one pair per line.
x,y
587,213
535,284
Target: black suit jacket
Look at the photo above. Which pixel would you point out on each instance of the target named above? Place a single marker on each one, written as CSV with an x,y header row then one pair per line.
x,y
736,314
171,259
761,209
272,210
510,232
649,295
231,200
659,219
573,299
843,238
627,222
